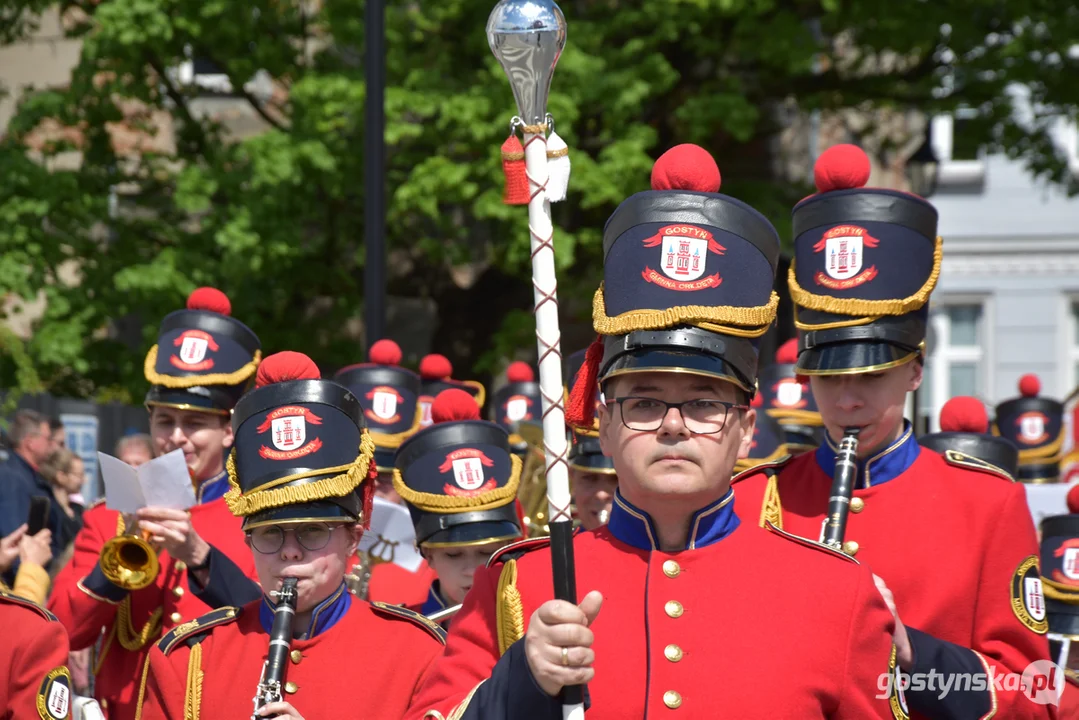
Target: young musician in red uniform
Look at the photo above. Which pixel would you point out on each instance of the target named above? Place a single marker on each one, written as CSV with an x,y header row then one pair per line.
x,y
201,365
1060,580
459,478
788,399
1035,424
685,609
300,477
592,477
951,539
34,679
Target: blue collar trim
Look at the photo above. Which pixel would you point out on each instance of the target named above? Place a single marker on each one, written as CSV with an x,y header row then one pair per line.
x,y
323,617
212,489
708,525
886,465
434,601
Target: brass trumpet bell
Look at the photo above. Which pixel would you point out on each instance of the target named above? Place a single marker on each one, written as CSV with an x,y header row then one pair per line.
x,y
129,561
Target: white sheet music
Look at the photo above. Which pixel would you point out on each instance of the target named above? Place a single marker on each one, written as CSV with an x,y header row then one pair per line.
x,y
162,482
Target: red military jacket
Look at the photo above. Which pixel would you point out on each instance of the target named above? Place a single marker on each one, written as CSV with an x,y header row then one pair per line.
x,y
393,584
85,602
34,679
1069,701
743,623
955,545
365,663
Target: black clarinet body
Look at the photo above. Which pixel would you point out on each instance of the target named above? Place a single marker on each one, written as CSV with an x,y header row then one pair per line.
x,y
846,471
273,670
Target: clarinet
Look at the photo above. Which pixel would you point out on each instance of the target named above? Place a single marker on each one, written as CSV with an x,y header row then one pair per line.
x,y
273,670
846,470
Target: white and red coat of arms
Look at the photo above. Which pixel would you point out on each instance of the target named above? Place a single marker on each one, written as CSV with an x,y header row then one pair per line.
x,y
1032,428
193,346
518,408
288,433
384,403
683,258
844,255
470,480
789,394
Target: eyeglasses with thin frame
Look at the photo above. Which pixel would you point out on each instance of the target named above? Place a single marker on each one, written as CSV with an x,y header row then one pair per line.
x,y
701,416
269,539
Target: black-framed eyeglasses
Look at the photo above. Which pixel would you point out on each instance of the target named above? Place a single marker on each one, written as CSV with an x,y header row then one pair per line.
x,y
701,416
269,539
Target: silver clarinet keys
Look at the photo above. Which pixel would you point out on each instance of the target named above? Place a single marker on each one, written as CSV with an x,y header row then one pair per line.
x,y
527,37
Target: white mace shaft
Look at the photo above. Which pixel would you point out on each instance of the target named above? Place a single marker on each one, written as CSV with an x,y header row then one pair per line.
x,y
548,336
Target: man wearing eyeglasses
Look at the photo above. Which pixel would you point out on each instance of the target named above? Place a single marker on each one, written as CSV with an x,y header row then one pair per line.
x,y
686,610
300,477
950,537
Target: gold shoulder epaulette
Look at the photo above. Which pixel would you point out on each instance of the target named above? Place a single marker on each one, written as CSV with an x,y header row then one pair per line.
x,y
517,549
396,611
773,465
960,459
194,630
19,600
806,542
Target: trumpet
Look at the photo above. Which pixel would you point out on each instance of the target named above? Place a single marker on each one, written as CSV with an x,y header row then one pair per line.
x,y
128,560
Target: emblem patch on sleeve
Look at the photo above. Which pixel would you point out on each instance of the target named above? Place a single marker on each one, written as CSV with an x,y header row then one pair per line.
x,y
54,696
1028,602
897,701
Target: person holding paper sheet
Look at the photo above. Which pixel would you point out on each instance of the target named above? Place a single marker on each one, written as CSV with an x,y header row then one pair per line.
x,y
301,477
203,362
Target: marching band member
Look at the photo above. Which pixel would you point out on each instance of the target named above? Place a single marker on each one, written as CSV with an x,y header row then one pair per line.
x,y
951,540
1035,425
300,477
389,395
788,399
202,363
665,584
1060,579
459,477
964,428
34,679
592,476
436,375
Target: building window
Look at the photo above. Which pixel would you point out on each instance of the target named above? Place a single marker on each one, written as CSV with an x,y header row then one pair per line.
x,y
959,149
957,358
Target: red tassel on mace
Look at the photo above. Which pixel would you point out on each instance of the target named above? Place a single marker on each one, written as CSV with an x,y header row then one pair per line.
x,y
581,408
513,165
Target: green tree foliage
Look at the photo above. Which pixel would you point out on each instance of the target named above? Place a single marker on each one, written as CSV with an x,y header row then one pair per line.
x,y
276,218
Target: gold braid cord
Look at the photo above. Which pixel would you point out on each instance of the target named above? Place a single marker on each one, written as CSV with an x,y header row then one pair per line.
x,y
752,321
123,628
771,508
1060,592
188,381
509,610
1046,454
797,417
193,691
481,390
272,495
142,687
433,502
392,441
851,306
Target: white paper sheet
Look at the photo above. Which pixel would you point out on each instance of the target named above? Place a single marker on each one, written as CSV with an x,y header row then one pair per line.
x,y
123,491
162,482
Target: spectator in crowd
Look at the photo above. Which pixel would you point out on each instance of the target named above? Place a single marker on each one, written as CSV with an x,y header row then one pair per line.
x,y
135,449
56,431
20,479
66,473
33,553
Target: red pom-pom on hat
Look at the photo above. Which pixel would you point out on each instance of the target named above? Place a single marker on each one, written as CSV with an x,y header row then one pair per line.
x,y
686,167
787,354
435,367
453,405
1073,500
964,414
209,299
841,167
385,352
520,371
285,366
1030,385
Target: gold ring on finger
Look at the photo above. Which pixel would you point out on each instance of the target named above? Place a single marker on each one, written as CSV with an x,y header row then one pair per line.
x,y
565,657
